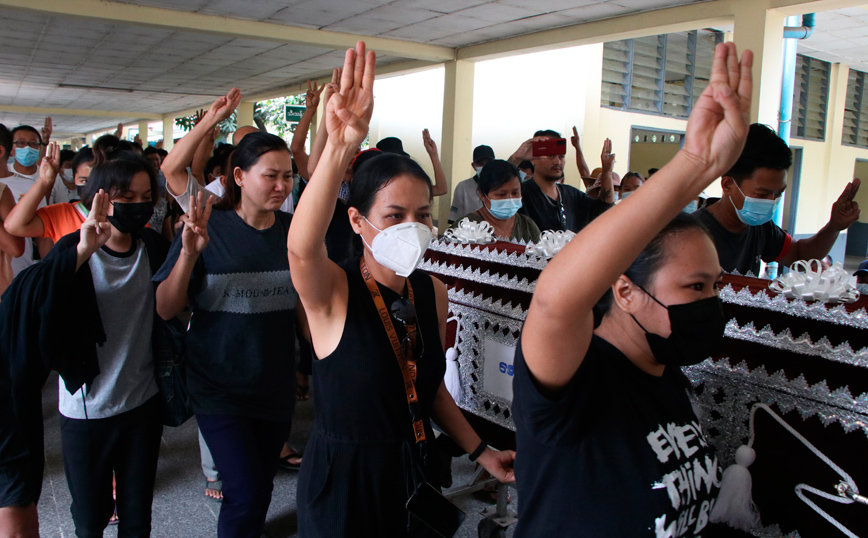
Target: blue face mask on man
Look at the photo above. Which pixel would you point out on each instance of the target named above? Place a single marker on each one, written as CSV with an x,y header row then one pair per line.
x,y
504,209
26,156
755,211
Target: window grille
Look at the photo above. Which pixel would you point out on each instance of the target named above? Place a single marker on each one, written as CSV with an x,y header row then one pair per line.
x,y
810,98
856,110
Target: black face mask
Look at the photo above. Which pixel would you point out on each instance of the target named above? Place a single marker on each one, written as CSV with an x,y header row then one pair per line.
x,y
697,332
79,190
131,218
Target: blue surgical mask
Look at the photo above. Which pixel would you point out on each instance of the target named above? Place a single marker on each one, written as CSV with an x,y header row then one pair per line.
x,y
521,175
691,207
26,156
624,195
504,209
478,170
615,196
863,289
755,211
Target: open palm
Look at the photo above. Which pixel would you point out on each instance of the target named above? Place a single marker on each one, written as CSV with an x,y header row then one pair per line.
x,y
718,125
348,111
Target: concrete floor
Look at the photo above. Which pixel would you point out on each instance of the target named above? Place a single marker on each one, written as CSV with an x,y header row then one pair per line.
x,y
180,507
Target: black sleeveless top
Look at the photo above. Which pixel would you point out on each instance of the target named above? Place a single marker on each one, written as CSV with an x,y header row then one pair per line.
x,y
358,466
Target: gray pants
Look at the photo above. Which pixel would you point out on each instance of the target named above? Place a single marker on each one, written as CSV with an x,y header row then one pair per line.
x,y
208,467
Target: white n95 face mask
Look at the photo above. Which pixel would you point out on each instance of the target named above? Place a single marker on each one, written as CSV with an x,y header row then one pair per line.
x,y
400,247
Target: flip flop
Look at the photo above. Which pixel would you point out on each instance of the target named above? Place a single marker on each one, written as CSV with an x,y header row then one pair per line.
x,y
284,462
215,485
114,519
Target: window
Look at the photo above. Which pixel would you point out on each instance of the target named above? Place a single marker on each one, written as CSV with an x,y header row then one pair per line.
x,y
810,97
662,74
856,111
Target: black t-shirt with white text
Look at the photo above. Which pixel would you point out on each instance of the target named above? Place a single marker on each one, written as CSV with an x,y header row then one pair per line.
x,y
743,251
617,453
579,208
240,344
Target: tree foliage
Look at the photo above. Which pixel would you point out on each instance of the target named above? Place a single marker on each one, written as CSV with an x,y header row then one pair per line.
x,y
268,115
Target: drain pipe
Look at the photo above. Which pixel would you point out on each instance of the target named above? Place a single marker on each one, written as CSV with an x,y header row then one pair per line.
x,y
785,113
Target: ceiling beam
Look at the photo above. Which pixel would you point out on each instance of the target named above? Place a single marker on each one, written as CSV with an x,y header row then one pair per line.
x,y
690,17
676,19
184,21
48,111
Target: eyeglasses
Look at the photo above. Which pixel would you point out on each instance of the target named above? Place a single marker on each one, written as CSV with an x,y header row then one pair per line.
x,y
404,311
20,144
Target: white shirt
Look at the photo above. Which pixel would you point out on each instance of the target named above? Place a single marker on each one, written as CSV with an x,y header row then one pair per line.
x,y
60,193
465,200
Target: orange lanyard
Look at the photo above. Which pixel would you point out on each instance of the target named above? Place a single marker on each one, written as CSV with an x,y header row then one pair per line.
x,y
407,364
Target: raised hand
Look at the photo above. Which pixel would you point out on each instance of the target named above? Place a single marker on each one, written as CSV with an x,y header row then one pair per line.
x,y
349,110
138,140
718,125
119,132
311,98
195,233
159,144
50,165
47,129
607,158
223,106
334,86
198,116
524,152
845,210
95,230
428,142
574,140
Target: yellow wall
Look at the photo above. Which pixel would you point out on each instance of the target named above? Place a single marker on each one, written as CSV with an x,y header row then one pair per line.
x,y
860,170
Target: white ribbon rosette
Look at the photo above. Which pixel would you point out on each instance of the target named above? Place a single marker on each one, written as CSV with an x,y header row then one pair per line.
x,y
808,281
467,231
550,243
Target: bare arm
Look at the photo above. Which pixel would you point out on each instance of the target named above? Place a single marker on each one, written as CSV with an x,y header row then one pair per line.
x,y
311,102
172,292
559,325
450,418
175,165
322,134
440,187
10,244
523,153
203,153
581,163
22,219
845,211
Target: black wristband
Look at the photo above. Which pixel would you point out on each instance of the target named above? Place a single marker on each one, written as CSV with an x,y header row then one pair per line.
x,y
478,452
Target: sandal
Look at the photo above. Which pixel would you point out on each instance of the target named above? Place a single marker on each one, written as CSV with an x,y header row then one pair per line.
x,y
114,519
215,486
284,462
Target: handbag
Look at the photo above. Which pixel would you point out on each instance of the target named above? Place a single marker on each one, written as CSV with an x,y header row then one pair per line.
x,y
169,361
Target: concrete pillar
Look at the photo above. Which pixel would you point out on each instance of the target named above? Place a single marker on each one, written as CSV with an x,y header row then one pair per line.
x,y
244,114
456,144
143,132
168,133
760,29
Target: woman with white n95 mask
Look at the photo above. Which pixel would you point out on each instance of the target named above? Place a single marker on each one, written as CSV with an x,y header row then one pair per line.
x,y
377,327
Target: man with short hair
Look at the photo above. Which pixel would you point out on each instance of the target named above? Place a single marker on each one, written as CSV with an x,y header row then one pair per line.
x,y
556,206
741,221
466,199
26,149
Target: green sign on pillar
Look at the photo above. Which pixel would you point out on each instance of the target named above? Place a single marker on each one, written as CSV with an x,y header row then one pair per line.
x,y
294,113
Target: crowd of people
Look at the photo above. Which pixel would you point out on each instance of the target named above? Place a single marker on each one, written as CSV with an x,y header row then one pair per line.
x,y
258,242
